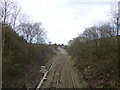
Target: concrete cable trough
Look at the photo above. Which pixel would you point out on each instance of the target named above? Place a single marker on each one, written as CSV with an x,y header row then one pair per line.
x,y
44,78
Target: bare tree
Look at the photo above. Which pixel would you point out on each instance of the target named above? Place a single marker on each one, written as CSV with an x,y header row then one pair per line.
x,y
115,18
0,12
91,33
105,30
32,32
14,16
10,12
49,42
8,16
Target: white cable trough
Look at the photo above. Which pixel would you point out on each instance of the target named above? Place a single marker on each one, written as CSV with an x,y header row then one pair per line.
x,y
44,77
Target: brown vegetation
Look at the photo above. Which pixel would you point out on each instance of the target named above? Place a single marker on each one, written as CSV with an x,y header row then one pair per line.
x,y
21,63
96,52
24,48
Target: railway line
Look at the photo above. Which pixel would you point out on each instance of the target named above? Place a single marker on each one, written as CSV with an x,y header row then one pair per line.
x,y
60,74
56,77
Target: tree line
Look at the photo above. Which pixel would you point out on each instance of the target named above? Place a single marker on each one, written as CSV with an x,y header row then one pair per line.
x,y
96,52
12,16
23,47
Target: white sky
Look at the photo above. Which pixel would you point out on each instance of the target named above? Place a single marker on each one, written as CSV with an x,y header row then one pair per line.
x,y
65,19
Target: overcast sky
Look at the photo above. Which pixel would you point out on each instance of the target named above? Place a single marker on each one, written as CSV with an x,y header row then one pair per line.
x,y
65,19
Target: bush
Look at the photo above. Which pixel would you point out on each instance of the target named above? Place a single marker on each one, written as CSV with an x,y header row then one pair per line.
x,y
20,56
100,53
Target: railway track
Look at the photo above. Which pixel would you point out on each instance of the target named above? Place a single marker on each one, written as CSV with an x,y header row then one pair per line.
x,y
68,66
60,75
56,76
